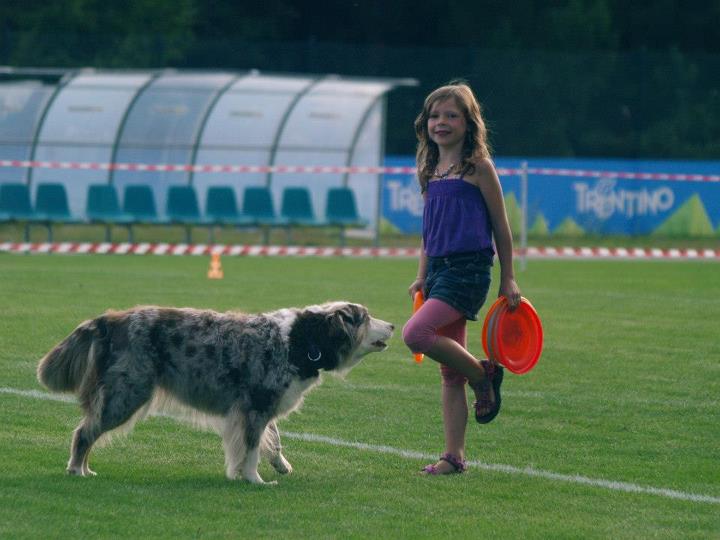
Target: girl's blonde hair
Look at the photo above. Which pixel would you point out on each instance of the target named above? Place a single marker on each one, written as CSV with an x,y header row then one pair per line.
x,y
475,147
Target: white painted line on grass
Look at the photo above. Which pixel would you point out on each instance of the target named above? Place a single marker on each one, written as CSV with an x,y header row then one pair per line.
x,y
412,454
510,469
39,395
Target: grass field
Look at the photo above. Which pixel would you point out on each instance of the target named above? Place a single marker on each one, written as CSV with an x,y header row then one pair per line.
x,y
614,434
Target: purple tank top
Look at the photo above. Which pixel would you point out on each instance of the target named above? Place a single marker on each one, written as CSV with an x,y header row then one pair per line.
x,y
456,219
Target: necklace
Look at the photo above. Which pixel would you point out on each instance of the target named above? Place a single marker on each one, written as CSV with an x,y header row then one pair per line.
x,y
444,175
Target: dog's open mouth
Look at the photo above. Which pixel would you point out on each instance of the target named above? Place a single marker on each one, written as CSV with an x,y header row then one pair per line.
x,y
379,344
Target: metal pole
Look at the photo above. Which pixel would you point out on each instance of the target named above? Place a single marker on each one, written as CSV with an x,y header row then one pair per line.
x,y
523,214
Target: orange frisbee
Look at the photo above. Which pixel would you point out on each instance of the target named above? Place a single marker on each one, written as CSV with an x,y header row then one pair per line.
x,y
418,301
492,334
488,327
513,338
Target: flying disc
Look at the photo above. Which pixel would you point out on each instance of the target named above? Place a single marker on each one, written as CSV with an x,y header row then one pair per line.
x,y
418,301
513,338
492,334
488,330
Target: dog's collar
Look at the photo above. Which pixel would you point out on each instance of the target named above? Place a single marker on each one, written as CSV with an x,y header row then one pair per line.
x,y
314,354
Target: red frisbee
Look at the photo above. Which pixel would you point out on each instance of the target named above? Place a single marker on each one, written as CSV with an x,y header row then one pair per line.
x,y
513,338
488,330
492,334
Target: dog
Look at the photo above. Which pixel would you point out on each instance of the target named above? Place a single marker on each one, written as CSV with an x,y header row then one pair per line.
x,y
234,372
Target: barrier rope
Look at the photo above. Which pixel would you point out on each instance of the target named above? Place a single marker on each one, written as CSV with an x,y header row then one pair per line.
x,y
671,177
374,252
324,169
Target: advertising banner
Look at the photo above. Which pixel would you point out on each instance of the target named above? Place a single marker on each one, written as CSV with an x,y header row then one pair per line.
x,y
586,197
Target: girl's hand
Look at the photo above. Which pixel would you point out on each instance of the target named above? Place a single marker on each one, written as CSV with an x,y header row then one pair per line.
x,y
510,290
417,285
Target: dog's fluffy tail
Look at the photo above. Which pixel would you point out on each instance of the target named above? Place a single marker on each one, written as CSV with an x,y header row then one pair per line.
x,y
65,367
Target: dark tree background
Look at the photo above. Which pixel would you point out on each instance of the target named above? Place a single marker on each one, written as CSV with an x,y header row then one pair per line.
x,y
556,78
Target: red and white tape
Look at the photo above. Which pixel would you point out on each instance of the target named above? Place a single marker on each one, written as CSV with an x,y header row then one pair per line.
x,y
622,253
623,175
322,169
204,249
163,167
375,252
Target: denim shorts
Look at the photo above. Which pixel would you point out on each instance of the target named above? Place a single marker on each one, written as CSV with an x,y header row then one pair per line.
x,y
461,280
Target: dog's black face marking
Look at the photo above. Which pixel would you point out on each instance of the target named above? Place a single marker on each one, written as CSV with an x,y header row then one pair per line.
x,y
316,342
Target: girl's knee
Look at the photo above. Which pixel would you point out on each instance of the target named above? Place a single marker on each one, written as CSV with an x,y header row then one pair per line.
x,y
417,338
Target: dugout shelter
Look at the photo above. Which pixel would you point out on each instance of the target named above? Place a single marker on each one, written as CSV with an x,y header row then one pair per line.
x,y
74,126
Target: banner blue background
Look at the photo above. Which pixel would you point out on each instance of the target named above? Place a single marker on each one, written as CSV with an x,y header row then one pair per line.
x,y
597,206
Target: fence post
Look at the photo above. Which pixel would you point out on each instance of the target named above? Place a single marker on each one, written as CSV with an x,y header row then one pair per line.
x,y
523,214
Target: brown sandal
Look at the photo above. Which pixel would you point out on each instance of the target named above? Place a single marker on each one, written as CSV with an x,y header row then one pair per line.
x,y
459,465
491,407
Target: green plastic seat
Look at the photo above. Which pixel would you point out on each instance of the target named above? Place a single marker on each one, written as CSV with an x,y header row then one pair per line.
x,y
221,207
139,202
102,206
51,204
341,208
259,208
297,207
15,202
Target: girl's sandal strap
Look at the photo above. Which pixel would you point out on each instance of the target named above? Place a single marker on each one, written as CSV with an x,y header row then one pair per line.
x,y
458,464
487,409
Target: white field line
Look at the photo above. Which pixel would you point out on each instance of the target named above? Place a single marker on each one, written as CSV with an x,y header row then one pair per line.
x,y
624,400
412,454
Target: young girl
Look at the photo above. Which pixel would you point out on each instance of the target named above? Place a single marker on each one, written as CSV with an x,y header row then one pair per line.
x,y
464,210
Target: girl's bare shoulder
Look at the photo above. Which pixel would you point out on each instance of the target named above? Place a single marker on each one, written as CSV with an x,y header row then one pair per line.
x,y
482,170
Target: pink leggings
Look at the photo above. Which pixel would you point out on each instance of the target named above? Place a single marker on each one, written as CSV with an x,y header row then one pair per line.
x,y
436,318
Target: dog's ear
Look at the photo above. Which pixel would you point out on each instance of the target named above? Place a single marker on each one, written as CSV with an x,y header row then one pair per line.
x,y
336,323
339,330
346,320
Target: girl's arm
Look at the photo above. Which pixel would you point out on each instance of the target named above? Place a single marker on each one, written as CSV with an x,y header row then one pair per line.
x,y
486,178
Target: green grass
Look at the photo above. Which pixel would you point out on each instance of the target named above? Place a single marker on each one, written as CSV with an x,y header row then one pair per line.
x,y
626,390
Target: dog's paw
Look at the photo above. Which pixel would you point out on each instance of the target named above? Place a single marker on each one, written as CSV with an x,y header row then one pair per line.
x,y
257,480
272,483
78,471
281,465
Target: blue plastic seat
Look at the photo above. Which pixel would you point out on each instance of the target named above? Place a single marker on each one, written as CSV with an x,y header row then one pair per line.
x,y
297,208
15,203
221,207
259,209
341,210
103,207
51,206
139,202
183,208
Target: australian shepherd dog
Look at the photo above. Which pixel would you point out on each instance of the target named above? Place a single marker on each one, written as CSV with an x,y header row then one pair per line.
x,y
234,372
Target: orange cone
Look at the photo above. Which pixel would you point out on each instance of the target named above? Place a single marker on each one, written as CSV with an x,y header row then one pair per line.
x,y
215,271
